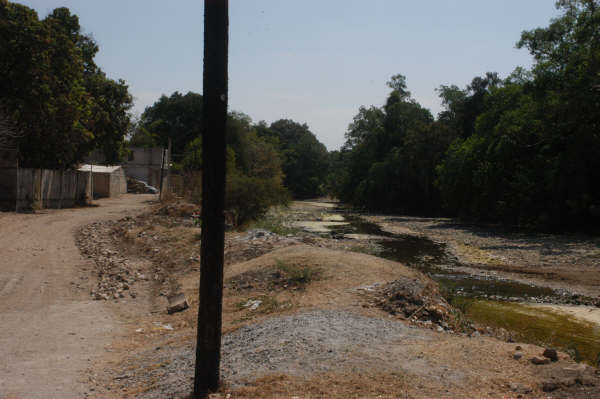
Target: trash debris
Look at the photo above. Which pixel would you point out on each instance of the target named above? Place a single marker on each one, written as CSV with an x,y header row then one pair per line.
x,y
252,304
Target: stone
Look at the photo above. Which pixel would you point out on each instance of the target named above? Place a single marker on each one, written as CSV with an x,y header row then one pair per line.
x,y
551,354
517,355
539,360
519,348
177,303
520,388
585,381
550,386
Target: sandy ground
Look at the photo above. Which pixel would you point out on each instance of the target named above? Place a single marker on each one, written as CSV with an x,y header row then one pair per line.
x,y
50,329
587,313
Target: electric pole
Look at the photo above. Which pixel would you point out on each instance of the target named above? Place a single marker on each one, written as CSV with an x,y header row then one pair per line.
x,y
208,347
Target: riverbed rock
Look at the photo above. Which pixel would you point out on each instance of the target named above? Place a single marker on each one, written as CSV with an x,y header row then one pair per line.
x,y
550,386
518,355
551,354
520,388
177,303
539,360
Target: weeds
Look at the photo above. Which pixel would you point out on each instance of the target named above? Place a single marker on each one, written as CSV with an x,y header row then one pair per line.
x,y
295,275
274,224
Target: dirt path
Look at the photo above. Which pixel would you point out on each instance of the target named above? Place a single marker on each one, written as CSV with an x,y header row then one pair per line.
x,y
50,329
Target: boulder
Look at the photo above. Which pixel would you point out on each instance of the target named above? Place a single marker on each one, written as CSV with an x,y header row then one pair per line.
x,y
177,303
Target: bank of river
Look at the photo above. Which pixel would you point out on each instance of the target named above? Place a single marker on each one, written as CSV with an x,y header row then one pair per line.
x,y
532,313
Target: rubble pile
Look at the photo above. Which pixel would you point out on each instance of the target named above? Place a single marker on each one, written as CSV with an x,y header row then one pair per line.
x,y
114,274
254,243
139,187
414,300
179,209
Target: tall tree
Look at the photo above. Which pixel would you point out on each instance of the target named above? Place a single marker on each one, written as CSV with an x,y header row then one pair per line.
x,y
48,80
177,117
304,157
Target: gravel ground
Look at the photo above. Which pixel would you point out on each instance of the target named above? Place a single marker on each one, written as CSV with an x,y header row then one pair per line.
x,y
302,344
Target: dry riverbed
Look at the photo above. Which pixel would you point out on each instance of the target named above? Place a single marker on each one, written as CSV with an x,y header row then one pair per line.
x,y
568,262
305,315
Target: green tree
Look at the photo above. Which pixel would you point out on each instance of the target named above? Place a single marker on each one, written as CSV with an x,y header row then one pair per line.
x,y
304,157
53,92
177,117
532,159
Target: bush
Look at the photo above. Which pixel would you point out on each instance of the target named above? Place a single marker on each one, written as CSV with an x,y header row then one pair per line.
x,y
248,198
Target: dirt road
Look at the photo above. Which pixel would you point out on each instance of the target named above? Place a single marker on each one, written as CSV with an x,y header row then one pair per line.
x,y
50,329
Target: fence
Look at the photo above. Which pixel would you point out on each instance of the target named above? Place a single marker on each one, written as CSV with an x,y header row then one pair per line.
x,y
22,189
187,185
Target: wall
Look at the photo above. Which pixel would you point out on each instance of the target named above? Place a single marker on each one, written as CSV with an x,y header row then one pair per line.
x,y
118,183
144,164
22,189
110,184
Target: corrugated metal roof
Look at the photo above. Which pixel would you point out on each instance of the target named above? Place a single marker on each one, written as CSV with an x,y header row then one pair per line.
x,y
99,168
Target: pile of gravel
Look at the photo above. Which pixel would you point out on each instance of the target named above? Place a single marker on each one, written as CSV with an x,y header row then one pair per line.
x,y
302,344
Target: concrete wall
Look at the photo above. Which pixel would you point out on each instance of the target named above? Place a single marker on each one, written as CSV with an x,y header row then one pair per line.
x,y
22,189
110,184
144,164
118,183
141,156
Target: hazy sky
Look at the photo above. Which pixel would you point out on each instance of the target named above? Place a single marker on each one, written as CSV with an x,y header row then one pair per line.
x,y
314,61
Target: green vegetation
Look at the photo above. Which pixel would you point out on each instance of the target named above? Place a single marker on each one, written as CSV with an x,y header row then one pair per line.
x,y
540,326
62,105
304,158
294,275
274,224
521,150
265,164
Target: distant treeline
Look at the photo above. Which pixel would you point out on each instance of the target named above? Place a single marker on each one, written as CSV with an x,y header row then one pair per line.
x,y
266,164
524,150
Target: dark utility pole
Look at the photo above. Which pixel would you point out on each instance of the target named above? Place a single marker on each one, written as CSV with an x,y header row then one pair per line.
x,y
208,349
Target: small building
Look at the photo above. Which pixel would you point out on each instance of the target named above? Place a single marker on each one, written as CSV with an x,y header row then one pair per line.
x,y
145,163
107,181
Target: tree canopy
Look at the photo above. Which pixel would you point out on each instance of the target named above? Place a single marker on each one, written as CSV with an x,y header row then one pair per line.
x,y
53,93
177,117
305,159
519,150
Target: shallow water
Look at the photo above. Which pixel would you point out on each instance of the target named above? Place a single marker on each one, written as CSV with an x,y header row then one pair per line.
x,y
544,327
432,258
488,301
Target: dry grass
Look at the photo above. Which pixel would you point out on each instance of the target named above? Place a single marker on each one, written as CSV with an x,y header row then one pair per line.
x,y
331,385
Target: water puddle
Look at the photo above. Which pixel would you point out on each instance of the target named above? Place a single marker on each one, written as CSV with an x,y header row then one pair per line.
x,y
541,326
489,301
432,258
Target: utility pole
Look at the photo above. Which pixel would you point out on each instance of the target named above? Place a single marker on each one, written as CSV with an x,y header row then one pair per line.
x,y
208,348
